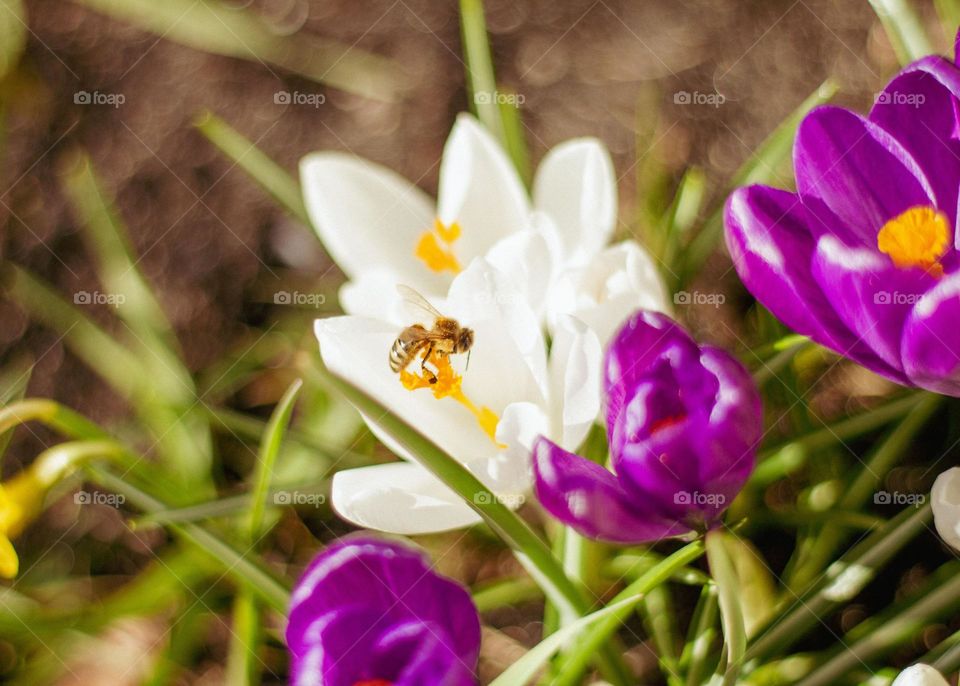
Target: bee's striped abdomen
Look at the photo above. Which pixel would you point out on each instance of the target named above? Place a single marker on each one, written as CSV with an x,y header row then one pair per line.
x,y
406,346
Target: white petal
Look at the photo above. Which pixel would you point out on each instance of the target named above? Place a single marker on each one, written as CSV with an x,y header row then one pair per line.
x,y
400,498
530,259
480,189
358,349
575,385
508,359
368,217
602,294
511,474
374,294
576,186
920,675
945,500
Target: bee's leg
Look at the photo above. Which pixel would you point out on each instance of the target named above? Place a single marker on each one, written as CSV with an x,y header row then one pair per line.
x,y
423,364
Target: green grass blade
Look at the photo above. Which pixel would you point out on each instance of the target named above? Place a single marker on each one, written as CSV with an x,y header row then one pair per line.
x,y
574,664
481,82
108,241
659,619
267,458
243,663
841,582
505,592
13,386
13,34
264,171
857,493
701,637
949,13
879,635
99,350
235,562
184,645
731,613
156,399
905,29
218,28
187,446
526,668
762,167
682,213
514,138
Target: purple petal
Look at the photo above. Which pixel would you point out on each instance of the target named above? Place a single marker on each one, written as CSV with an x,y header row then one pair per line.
x,y
335,648
769,236
736,425
872,296
698,464
644,337
416,653
661,468
859,171
394,580
931,339
919,108
589,498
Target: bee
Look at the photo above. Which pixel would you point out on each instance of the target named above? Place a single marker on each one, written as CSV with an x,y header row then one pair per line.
x,y
444,337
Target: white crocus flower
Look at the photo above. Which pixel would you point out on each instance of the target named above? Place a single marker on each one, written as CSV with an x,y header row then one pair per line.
x,y
509,395
945,500
607,289
383,230
920,675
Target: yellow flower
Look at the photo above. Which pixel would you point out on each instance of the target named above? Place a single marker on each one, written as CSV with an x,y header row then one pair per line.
x,y
21,499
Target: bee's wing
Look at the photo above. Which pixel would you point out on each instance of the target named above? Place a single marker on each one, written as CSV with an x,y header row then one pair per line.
x,y
417,303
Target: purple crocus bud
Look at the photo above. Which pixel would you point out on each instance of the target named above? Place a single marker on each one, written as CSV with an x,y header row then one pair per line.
x,y
370,612
863,257
683,423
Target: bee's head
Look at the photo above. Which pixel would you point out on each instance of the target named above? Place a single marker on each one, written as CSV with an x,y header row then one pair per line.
x,y
464,340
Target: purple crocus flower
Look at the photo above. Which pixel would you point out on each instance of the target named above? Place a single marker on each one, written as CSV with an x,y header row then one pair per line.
x,y
683,423
369,612
863,257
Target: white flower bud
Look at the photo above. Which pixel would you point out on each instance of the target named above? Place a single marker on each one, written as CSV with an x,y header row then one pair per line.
x,y
945,499
920,675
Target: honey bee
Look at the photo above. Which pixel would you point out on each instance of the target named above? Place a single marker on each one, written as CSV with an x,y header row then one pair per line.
x,y
444,337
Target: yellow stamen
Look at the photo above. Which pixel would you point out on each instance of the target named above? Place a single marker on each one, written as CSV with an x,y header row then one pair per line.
x,y
448,384
435,247
916,238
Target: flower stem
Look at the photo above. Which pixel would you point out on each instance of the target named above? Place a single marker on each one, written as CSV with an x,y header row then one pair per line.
x,y
879,635
701,637
842,581
784,459
864,484
731,612
532,552
577,660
